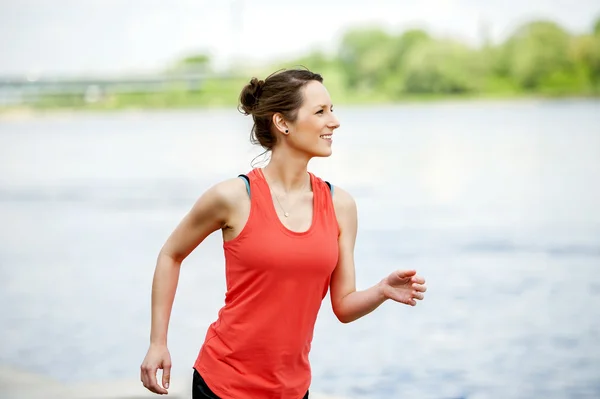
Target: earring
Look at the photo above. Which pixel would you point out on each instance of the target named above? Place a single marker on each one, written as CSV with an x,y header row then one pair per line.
x,y
286,130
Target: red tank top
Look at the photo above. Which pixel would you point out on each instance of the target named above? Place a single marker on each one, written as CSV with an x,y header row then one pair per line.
x,y
276,280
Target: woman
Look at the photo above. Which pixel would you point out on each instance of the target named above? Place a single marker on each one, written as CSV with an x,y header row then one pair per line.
x,y
288,238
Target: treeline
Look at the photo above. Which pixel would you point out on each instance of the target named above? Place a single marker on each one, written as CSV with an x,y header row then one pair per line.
x,y
539,57
373,65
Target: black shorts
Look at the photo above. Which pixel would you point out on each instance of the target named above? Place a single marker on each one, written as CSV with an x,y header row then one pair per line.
x,y
201,391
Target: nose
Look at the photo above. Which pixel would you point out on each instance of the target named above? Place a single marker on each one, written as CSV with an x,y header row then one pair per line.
x,y
334,123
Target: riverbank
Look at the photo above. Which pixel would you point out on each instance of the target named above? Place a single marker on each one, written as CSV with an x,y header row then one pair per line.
x,y
20,384
31,111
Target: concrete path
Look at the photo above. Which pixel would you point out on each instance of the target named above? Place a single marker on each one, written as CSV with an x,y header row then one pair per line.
x,y
20,384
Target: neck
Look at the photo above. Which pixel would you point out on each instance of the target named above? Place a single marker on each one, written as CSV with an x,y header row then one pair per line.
x,y
287,171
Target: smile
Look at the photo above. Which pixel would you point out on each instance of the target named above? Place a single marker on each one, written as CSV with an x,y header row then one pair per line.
x,y
326,136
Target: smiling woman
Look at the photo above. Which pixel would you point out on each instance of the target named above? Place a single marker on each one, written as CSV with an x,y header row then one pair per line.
x,y
297,98
288,239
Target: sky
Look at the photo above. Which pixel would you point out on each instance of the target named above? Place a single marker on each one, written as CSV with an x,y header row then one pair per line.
x,y
73,37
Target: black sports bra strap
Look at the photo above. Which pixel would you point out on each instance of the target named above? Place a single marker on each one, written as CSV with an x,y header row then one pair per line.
x,y
247,181
330,187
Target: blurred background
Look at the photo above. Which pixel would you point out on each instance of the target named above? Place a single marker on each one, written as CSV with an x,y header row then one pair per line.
x,y
470,139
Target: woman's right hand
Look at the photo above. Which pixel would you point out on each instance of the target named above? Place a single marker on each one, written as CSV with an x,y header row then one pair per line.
x,y
158,357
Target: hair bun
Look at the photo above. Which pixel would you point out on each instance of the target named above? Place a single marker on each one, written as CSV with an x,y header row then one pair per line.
x,y
251,94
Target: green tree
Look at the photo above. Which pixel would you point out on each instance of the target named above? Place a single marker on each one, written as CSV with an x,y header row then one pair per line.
x,y
364,54
407,41
442,67
400,49
535,54
585,52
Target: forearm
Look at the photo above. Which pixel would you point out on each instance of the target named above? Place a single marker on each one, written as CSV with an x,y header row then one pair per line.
x,y
164,285
359,303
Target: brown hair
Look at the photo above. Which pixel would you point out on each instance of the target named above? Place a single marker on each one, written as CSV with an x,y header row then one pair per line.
x,y
279,93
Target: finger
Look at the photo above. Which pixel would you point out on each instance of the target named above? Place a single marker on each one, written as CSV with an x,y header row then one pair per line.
x,y
405,273
166,375
418,295
419,287
152,383
147,379
418,280
407,300
144,376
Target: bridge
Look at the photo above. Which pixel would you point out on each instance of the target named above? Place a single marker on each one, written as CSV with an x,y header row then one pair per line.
x,y
29,89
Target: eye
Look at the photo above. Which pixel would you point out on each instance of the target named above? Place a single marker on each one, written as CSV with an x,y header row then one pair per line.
x,y
320,111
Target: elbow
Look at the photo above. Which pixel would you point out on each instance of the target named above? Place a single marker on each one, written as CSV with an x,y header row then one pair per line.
x,y
167,258
342,316
344,320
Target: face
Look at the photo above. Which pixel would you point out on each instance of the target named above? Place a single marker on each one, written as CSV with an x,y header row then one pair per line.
x,y
312,131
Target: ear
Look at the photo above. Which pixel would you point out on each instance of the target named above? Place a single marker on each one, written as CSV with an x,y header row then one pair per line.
x,y
280,123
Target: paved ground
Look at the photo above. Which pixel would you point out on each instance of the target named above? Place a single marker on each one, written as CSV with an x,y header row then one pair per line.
x,y
19,384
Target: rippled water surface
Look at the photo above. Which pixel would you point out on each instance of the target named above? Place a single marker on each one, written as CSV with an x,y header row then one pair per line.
x,y
496,204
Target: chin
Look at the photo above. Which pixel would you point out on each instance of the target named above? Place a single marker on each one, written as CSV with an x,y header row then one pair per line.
x,y
322,153
318,151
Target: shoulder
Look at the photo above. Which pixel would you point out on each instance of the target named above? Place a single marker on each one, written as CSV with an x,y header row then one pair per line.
x,y
345,212
230,190
225,194
343,201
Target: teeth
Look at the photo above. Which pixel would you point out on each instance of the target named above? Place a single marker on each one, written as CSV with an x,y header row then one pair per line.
x,y
326,136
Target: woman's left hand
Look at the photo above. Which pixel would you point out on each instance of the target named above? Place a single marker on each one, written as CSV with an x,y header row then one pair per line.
x,y
404,286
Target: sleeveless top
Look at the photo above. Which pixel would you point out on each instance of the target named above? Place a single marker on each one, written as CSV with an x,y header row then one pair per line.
x,y
276,280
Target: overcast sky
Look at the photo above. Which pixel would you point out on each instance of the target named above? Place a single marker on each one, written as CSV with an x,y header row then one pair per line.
x,y
110,36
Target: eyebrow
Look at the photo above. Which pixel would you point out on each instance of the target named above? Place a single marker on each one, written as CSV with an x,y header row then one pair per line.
x,y
323,106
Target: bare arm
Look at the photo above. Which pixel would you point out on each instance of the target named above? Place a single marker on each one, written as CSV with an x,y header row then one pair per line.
x,y
347,303
211,212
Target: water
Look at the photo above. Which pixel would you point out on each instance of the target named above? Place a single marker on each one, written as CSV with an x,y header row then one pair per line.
x,y
496,204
